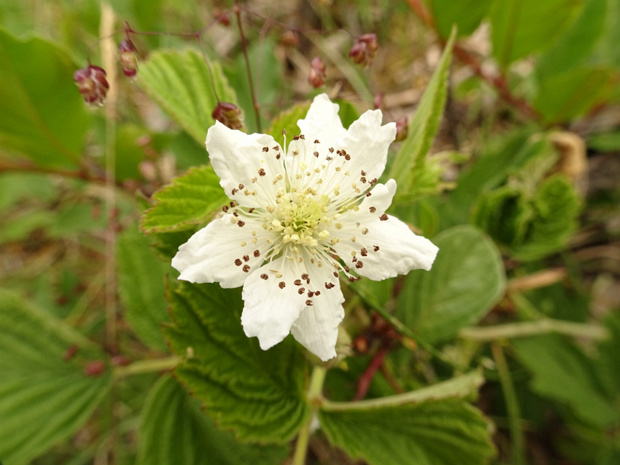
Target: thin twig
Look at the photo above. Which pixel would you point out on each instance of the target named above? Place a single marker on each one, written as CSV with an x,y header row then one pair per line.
x,y
244,48
364,382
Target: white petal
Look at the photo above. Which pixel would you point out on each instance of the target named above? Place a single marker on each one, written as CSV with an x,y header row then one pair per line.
x,y
317,326
322,122
215,253
271,307
247,160
385,247
367,143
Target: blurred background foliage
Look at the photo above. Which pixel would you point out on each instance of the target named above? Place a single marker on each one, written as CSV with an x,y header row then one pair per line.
x,y
520,190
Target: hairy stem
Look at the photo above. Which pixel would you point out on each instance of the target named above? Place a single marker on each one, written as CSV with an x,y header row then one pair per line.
x,y
146,366
314,398
532,328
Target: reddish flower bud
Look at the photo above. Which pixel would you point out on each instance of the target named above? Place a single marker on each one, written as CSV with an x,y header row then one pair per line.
x,y
128,57
92,84
94,369
228,114
364,50
289,39
221,18
316,77
402,129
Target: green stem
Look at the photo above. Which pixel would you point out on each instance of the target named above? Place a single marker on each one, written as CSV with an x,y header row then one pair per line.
x,y
512,406
314,399
532,328
461,386
146,366
248,68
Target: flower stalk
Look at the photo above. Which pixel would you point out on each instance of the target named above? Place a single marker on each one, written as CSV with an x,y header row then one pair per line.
x,y
314,398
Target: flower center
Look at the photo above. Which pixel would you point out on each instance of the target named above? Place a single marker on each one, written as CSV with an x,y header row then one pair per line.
x,y
300,218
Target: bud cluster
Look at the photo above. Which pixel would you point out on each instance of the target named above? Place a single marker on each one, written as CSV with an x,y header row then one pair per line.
x,y
316,77
228,114
92,84
364,50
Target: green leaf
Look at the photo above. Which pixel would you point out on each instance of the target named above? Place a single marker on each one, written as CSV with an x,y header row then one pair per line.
x,y
466,280
520,27
563,372
36,86
433,432
565,96
574,46
287,121
173,430
45,396
259,394
180,82
465,14
190,200
142,287
410,162
605,141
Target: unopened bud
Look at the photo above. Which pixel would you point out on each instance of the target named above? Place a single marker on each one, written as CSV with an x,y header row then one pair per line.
x,y
92,84
402,129
289,39
221,18
364,50
128,57
378,101
316,77
228,114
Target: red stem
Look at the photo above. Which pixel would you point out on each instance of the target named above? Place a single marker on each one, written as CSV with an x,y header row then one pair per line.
x,y
364,382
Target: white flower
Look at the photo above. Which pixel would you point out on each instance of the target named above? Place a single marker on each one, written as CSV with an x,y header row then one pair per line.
x,y
298,221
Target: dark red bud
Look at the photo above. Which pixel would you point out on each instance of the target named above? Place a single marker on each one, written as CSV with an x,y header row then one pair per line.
x,y
70,353
402,129
95,368
228,114
128,57
92,84
365,49
221,18
316,77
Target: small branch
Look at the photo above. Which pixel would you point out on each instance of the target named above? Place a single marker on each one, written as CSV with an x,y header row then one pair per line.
x,y
536,280
364,382
244,48
533,328
512,406
461,386
146,366
314,399
82,174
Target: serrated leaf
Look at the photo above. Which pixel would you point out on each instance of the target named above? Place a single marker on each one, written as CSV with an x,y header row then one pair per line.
x,y
555,209
564,373
36,86
428,433
258,394
173,430
191,199
465,14
45,397
142,289
466,280
410,161
520,27
180,82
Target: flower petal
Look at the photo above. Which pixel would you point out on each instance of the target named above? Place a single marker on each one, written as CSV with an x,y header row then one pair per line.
x,y
380,246
216,254
317,326
367,142
272,301
248,165
322,122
